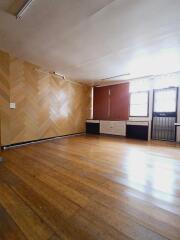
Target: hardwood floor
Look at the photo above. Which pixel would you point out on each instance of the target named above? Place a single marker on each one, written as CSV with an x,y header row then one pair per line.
x,y
91,187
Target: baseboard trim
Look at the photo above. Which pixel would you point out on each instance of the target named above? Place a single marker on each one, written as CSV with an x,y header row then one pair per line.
x,y
20,144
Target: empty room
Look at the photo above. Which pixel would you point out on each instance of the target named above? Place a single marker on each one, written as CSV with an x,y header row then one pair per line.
x,y
89,119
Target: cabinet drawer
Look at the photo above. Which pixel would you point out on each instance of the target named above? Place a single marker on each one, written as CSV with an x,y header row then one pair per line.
x,y
113,127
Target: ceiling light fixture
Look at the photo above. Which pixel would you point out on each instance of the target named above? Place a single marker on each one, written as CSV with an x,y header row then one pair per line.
x,y
59,75
121,75
23,9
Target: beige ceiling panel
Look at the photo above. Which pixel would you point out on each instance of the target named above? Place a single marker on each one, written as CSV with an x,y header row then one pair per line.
x,y
91,40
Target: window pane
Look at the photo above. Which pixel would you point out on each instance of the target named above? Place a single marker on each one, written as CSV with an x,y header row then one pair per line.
x,y
139,98
138,110
165,100
139,104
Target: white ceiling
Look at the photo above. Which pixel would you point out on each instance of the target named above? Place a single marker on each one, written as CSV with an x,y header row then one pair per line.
x,y
89,40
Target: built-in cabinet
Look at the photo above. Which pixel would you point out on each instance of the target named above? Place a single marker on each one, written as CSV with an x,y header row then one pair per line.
x,y
93,126
130,129
113,127
106,127
137,130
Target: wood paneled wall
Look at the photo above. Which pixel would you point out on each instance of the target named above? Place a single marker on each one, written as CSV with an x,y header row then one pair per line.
x,y
46,106
4,97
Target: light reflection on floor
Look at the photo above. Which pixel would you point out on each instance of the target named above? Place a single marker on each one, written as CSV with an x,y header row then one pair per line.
x,y
150,176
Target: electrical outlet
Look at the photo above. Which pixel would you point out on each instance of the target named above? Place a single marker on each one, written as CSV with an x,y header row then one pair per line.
x,y
13,105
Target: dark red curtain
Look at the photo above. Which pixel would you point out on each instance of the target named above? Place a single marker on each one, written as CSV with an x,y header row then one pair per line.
x,y
119,102
111,102
101,103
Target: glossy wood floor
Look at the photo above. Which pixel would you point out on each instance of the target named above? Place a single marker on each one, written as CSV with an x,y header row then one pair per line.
x,y
91,187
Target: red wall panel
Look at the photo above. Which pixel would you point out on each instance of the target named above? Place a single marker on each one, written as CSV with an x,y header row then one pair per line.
x,y
119,102
111,102
101,103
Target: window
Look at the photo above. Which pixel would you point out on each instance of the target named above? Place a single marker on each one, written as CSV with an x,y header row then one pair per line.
x,y
139,104
165,100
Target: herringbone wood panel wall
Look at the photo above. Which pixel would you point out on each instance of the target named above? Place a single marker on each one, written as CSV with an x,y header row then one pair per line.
x,y
46,106
4,97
